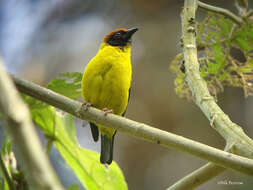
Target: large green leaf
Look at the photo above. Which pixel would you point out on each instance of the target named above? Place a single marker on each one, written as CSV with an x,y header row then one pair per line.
x,y
59,128
69,84
74,187
42,114
85,163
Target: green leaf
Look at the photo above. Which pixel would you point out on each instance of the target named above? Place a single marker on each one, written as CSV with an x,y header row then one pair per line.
x,y
44,118
42,114
243,43
69,84
225,25
85,163
6,146
3,184
74,187
218,56
219,40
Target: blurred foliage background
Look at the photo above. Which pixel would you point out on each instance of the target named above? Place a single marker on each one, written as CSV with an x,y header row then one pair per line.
x,y
40,39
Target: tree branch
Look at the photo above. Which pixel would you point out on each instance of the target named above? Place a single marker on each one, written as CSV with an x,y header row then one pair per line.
x,y
222,11
198,177
235,138
249,14
19,126
139,130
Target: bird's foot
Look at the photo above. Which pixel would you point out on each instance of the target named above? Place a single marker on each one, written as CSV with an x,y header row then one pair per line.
x,y
86,105
106,165
107,111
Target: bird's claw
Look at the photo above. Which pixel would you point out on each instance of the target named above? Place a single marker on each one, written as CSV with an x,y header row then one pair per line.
x,y
86,105
107,111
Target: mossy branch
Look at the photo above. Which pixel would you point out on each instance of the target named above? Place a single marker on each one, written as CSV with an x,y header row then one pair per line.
x,y
133,128
17,123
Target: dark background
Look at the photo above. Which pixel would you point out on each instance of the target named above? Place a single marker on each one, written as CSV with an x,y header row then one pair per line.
x,y
40,39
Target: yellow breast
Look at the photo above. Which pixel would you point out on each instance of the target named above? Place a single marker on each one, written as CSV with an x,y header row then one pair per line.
x,y
107,79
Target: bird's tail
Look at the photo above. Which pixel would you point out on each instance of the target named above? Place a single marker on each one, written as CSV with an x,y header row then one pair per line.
x,y
106,155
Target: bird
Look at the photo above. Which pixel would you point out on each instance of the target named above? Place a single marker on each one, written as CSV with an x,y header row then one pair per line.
x,y
106,84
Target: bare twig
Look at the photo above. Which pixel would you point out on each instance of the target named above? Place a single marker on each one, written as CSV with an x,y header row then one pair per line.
x,y
197,177
249,14
222,11
16,116
136,129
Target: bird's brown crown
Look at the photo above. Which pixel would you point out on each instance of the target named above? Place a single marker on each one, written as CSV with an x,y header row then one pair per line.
x,y
119,37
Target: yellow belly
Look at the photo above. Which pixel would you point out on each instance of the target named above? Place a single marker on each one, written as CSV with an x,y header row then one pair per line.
x,y
106,80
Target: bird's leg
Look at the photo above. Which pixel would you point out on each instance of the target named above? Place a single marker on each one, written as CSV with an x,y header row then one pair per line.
x,y
86,105
106,165
107,111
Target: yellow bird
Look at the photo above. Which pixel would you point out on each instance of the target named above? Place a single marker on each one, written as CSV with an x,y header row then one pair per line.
x,y
106,84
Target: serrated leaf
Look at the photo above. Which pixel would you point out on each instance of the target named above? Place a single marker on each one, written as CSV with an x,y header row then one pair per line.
x,y
218,56
225,25
69,84
243,44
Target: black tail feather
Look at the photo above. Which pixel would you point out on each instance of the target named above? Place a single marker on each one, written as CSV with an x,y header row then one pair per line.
x,y
94,131
106,155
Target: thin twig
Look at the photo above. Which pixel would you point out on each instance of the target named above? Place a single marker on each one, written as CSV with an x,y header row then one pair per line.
x,y
136,129
197,177
17,123
6,174
222,11
249,14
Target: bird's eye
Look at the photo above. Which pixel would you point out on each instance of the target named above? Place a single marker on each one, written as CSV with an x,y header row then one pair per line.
x,y
117,35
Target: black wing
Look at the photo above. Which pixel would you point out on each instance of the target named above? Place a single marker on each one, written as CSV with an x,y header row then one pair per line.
x,y
129,91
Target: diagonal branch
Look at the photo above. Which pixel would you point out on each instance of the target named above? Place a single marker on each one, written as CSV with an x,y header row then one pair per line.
x,y
198,177
19,126
136,129
222,11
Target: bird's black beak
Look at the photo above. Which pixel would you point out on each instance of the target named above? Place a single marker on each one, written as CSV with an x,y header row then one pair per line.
x,y
129,33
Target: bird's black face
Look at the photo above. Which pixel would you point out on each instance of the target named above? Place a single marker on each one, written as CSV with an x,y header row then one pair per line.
x,y
120,37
